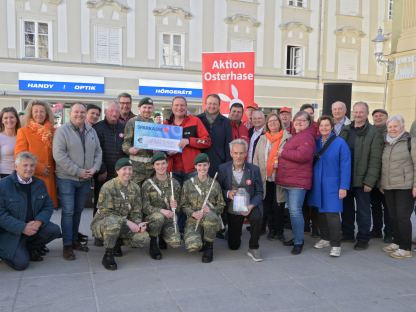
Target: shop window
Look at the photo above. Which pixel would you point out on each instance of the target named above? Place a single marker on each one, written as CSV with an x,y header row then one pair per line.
x,y
108,45
172,47
36,40
294,61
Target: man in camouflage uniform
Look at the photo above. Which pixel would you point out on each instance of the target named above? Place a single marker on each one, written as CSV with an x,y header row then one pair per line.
x,y
193,195
142,167
159,206
119,215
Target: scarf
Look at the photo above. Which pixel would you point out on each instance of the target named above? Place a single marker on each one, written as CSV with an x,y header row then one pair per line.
x,y
274,140
391,140
45,131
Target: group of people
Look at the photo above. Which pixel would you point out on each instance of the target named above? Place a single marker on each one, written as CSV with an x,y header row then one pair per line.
x,y
274,172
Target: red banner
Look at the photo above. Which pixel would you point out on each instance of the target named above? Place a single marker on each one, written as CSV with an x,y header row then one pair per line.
x,y
231,76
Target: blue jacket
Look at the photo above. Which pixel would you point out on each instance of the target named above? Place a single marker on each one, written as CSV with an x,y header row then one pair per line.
x,y
331,173
220,133
13,207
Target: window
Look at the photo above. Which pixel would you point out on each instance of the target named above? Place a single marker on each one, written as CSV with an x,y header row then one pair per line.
x,y
297,3
36,40
242,45
347,64
172,50
108,45
390,10
349,7
294,61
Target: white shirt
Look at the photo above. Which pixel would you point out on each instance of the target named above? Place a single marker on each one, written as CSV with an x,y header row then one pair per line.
x,y
21,181
256,134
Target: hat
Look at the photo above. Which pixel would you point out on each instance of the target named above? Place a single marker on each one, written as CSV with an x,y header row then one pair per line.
x,y
146,100
158,156
122,162
201,158
380,110
285,109
157,115
254,106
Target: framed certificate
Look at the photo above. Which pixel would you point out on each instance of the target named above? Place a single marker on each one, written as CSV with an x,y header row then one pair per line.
x,y
159,137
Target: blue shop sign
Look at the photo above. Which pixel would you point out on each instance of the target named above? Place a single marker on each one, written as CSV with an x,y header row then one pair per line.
x,y
170,88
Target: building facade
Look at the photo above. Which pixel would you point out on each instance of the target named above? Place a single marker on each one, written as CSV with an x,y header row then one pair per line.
x,y
90,51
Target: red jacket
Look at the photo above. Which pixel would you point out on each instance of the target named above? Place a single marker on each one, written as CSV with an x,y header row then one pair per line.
x,y
296,161
194,130
239,131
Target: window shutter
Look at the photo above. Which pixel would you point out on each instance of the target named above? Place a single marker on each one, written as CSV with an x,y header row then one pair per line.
x,y
107,45
114,46
101,44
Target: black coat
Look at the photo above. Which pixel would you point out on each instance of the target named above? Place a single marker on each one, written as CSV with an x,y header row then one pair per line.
x,y
220,133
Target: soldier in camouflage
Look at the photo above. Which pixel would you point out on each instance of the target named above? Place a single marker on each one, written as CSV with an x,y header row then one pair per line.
x,y
119,216
193,195
140,158
159,206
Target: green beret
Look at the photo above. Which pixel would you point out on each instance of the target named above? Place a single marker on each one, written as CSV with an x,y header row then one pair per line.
x,y
157,115
122,162
146,100
158,156
201,158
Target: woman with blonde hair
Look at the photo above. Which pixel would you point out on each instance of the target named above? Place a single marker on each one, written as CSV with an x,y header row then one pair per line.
x,y
36,137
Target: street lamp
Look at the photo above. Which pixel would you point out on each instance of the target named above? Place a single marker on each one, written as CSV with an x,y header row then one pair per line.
x,y
379,48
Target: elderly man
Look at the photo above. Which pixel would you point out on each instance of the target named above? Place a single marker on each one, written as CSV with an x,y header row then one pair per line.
x,y
339,112
25,211
125,101
142,167
77,153
119,216
219,129
366,146
285,114
93,114
259,121
242,187
249,111
239,130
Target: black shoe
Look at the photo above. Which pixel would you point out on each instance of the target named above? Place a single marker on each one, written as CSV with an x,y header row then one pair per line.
x,y
376,234
162,243
248,228
220,235
361,245
272,235
35,255
208,254
108,260
154,250
44,249
117,252
347,239
82,239
289,243
280,237
98,242
297,249
79,246
388,239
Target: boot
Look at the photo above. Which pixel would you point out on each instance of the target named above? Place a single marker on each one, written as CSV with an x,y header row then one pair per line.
x,y
108,260
117,249
208,254
154,250
162,243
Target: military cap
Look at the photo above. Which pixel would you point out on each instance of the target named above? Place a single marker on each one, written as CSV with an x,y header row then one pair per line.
x,y
158,156
122,162
157,114
201,158
146,100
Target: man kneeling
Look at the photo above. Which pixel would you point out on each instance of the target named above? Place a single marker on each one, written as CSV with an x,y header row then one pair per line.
x,y
209,216
25,211
119,216
159,207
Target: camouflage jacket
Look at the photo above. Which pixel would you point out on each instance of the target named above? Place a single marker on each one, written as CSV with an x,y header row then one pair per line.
x,y
152,201
129,137
192,201
121,201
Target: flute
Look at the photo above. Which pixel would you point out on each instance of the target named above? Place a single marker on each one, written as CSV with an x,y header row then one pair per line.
x,y
173,198
206,198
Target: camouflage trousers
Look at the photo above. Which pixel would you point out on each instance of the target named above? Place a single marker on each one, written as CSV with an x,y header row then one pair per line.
x,y
160,225
206,231
111,228
141,171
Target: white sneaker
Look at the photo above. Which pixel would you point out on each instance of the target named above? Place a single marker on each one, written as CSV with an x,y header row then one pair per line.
x,y
255,255
401,254
322,244
391,248
335,252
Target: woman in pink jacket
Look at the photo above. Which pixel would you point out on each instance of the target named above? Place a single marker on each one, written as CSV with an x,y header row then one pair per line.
x,y
294,174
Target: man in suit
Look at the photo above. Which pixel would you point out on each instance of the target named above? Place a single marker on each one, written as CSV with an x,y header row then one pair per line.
x,y
259,120
239,178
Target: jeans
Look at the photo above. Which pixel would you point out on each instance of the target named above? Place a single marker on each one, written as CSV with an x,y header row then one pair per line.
x,y
235,225
46,234
362,202
72,195
295,198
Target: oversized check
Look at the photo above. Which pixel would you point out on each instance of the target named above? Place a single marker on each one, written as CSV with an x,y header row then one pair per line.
x,y
157,137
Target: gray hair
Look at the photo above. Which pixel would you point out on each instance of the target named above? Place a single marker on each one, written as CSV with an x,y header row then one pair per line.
x,y
258,111
25,155
341,103
397,118
111,103
303,114
238,142
363,104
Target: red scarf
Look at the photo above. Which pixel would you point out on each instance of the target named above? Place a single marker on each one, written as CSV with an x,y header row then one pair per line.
x,y
45,131
274,140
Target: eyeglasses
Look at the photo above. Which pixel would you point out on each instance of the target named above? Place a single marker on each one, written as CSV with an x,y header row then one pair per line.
x,y
272,121
124,102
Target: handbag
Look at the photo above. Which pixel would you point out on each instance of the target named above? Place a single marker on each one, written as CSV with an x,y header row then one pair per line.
x,y
318,155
